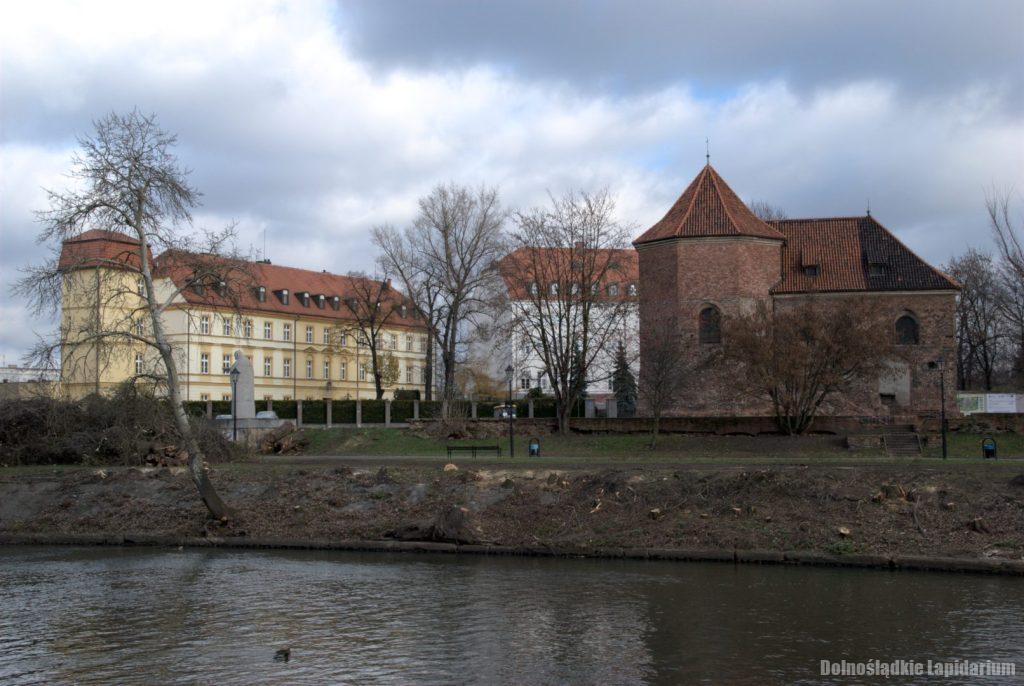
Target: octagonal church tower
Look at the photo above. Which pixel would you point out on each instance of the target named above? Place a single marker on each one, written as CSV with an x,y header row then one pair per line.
x,y
707,257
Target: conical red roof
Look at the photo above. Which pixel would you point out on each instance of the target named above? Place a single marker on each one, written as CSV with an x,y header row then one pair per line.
x,y
708,207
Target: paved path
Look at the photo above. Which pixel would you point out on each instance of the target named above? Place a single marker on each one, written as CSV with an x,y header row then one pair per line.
x,y
610,463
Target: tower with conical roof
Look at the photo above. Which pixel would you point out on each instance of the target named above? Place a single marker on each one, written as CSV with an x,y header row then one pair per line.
x,y
707,257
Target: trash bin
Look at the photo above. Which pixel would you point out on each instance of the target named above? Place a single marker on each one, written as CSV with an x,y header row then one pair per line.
x,y
534,447
988,448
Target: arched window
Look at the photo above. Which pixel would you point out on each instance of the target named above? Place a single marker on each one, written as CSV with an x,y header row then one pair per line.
x,y
907,332
710,325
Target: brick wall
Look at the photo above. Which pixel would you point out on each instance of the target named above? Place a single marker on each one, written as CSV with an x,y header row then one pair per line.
x,y
679,278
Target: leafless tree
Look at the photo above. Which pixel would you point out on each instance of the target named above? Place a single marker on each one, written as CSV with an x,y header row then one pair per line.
x,y
445,262
1007,233
129,183
799,356
981,323
766,211
665,371
373,303
571,295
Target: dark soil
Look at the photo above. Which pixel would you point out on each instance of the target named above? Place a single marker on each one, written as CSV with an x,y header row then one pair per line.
x,y
838,510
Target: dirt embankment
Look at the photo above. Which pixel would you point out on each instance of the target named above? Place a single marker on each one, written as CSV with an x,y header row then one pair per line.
x,y
866,511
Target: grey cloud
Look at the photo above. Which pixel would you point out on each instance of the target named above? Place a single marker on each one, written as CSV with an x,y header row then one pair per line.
x,y
921,45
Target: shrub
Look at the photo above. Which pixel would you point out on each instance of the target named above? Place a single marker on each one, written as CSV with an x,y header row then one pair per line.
x,y
122,429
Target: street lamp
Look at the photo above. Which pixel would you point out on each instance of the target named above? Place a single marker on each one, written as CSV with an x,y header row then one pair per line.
x,y
937,364
508,410
234,374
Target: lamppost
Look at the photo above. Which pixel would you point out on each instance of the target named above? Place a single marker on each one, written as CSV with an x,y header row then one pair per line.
x,y
937,364
234,374
508,410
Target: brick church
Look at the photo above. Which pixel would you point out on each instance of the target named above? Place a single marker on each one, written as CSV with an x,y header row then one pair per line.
x,y
711,256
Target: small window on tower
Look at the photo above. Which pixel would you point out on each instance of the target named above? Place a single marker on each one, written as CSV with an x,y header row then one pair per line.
x,y
812,270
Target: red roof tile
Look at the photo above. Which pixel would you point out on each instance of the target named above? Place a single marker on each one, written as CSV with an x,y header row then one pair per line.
x,y
277,278
99,248
853,254
708,207
517,269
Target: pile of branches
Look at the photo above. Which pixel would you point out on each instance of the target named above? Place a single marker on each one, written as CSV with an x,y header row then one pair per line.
x,y
129,427
283,440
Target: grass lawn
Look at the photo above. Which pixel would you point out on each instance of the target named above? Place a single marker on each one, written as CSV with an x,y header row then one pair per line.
x,y
635,447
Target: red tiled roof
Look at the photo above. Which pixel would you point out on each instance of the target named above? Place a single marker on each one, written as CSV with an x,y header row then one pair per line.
x,y
708,207
845,248
277,278
99,248
517,269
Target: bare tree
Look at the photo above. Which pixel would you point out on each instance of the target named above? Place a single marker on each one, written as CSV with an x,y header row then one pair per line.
x,y
798,357
665,371
980,319
766,211
445,262
572,292
1007,233
131,186
373,303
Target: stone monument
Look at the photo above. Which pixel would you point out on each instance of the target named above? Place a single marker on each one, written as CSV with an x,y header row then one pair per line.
x,y
244,391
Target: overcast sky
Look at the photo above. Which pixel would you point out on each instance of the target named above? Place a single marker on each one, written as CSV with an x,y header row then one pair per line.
x,y
314,121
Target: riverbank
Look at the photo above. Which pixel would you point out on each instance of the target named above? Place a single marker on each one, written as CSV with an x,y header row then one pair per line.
x,y
915,515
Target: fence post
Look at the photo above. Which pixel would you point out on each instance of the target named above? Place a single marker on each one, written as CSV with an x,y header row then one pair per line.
x,y
298,413
387,413
473,409
359,412
209,409
529,408
270,405
329,407
415,408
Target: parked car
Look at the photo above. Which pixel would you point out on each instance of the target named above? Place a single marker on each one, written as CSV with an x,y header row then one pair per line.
x,y
503,411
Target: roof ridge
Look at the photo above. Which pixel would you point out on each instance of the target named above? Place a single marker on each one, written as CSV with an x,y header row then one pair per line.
x,y
693,201
903,245
725,205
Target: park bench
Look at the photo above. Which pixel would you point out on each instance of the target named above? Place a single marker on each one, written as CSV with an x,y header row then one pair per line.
x,y
474,449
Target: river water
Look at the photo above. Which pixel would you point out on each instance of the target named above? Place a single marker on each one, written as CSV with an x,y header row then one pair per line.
x,y
155,616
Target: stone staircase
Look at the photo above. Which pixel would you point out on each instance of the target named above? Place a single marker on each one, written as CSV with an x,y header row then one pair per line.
x,y
901,440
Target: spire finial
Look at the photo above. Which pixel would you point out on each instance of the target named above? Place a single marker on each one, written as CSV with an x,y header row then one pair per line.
x,y
707,151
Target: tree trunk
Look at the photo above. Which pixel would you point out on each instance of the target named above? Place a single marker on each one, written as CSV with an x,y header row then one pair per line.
x,y
196,461
655,429
564,412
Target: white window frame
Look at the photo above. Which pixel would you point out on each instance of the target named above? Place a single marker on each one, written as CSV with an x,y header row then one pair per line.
x,y
287,332
204,363
204,324
268,365
309,334
268,331
287,367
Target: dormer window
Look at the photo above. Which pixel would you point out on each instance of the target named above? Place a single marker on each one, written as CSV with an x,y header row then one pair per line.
x,y
304,298
613,290
553,289
261,294
404,311
222,288
812,270
320,301
198,288
335,302
878,269
631,289
282,295
533,288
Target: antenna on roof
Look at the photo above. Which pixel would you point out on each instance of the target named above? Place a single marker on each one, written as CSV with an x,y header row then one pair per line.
x,y
264,242
869,207
707,150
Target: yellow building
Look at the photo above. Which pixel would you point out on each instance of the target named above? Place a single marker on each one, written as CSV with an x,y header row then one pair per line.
x,y
296,326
